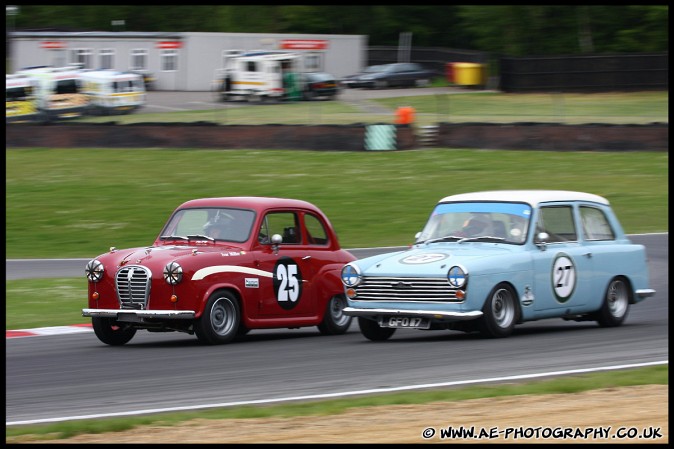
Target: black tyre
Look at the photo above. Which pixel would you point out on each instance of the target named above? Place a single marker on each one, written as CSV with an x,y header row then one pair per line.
x,y
255,98
372,331
334,321
43,118
616,304
381,84
500,312
242,330
112,333
219,323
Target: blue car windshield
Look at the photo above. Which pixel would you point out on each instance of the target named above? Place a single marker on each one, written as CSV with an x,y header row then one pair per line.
x,y
507,222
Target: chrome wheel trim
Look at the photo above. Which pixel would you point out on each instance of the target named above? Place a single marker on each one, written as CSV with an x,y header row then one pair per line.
x,y
503,308
223,316
617,298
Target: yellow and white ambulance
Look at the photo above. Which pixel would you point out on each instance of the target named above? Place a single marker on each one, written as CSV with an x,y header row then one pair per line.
x,y
259,75
20,98
113,92
59,92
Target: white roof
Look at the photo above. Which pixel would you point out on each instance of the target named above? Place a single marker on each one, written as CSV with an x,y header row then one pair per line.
x,y
51,72
18,80
109,74
532,197
267,54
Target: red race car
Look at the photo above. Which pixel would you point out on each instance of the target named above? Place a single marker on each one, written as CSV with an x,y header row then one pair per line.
x,y
221,267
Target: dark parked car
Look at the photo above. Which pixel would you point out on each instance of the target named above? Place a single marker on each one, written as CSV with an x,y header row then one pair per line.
x,y
402,74
319,84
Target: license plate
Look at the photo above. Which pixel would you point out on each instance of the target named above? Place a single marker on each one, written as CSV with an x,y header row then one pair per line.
x,y
129,318
405,321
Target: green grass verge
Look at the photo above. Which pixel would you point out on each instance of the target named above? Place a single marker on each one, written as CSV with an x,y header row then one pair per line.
x,y
453,106
79,202
561,385
614,108
32,303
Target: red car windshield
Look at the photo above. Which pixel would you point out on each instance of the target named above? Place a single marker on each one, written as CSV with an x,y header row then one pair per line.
x,y
228,224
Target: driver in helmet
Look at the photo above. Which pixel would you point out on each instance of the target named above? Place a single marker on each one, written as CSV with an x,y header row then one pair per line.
x,y
475,225
217,226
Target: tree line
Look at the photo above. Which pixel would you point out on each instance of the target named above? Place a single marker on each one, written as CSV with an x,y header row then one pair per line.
x,y
513,30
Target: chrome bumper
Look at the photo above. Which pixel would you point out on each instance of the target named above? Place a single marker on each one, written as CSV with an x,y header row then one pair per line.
x,y
138,315
645,293
432,314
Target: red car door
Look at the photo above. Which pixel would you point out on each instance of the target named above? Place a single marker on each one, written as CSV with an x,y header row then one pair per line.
x,y
289,292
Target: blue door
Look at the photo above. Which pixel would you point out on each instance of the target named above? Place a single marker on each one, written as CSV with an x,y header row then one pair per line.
x,y
562,266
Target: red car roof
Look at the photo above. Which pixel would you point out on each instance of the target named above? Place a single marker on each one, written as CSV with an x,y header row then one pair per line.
x,y
249,202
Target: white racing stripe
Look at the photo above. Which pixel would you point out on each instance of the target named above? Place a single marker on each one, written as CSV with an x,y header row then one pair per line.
x,y
201,274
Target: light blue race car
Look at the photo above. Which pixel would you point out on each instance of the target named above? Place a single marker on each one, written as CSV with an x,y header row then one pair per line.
x,y
486,261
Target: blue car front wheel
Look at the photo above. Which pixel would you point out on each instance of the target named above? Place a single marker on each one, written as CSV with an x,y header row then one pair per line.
x,y
372,331
500,312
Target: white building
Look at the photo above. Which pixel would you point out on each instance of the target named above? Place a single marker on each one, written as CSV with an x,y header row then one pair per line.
x,y
181,61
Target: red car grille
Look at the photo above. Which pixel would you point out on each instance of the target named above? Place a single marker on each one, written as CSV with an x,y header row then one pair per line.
x,y
133,286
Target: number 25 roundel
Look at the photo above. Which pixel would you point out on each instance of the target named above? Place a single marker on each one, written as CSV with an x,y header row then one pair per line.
x,y
287,283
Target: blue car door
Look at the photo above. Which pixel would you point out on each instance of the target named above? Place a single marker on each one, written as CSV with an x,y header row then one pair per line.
x,y
562,264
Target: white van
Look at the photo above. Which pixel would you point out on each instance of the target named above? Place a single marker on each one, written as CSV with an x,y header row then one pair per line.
x,y
259,75
113,92
59,93
20,98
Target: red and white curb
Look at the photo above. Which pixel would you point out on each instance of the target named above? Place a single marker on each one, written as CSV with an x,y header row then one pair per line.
x,y
54,330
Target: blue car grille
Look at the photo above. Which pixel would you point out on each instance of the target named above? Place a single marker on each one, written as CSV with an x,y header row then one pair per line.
x,y
375,288
133,286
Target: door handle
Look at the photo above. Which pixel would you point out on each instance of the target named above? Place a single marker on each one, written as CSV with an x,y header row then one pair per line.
x,y
306,257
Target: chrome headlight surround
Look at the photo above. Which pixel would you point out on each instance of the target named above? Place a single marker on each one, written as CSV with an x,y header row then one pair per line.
x,y
351,276
457,277
94,270
173,273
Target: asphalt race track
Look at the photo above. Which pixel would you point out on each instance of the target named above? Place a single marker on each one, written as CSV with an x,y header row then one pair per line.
x,y
60,377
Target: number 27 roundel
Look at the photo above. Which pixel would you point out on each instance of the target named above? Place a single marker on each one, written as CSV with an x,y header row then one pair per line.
x,y
287,283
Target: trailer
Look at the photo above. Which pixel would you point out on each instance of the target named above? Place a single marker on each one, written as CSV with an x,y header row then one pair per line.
x,y
257,76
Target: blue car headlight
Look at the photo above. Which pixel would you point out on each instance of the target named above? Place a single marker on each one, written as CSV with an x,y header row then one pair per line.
x,y
173,273
351,275
457,277
94,270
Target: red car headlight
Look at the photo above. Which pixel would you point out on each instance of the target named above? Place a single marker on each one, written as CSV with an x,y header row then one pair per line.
x,y
173,273
94,270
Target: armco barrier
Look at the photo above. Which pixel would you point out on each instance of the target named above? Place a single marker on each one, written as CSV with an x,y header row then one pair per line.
x,y
516,136
198,135
554,136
